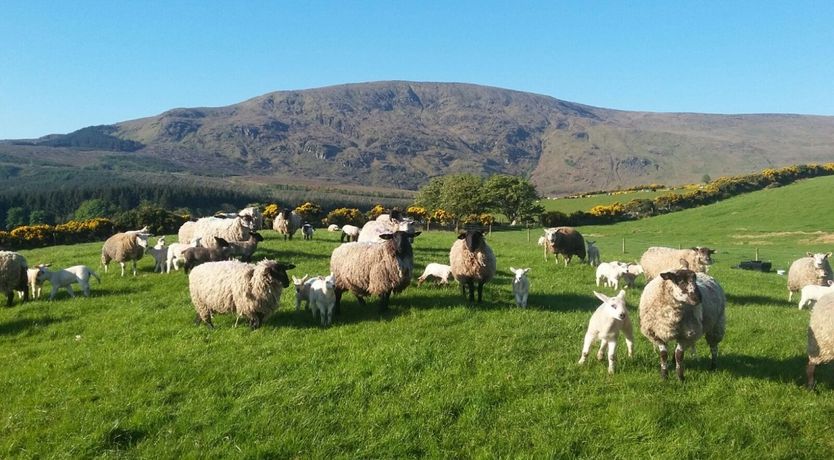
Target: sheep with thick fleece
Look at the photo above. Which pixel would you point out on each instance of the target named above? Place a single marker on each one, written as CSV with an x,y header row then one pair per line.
x,y
521,286
812,269
255,214
566,241
659,259
123,247
236,229
307,231
385,223
333,228
605,325
682,306
323,298
812,293
174,254
287,223
472,260
440,271
13,275
820,336
610,273
248,290
373,268
350,233
593,253
66,278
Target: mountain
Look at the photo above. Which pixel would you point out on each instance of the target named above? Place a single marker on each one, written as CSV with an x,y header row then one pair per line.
x,y
400,134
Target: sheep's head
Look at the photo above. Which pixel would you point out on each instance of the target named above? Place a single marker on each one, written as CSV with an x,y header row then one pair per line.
x,y
299,282
142,240
704,255
590,243
278,271
286,213
401,241
220,242
42,275
473,238
682,286
635,269
819,259
520,274
246,221
615,306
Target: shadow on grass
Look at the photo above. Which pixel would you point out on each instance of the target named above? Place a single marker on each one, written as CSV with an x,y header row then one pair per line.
x,y
790,370
28,324
743,300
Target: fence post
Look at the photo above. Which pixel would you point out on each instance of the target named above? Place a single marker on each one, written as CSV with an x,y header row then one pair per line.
x,y
623,245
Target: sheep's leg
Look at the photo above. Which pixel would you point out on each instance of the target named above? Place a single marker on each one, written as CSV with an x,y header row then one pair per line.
x,y
629,337
480,290
471,285
122,264
790,295
9,298
612,355
383,301
809,371
601,351
69,290
586,346
337,306
134,267
664,356
679,361
54,291
197,319
713,351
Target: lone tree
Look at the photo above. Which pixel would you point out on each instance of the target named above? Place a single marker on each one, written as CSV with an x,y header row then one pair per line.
x,y
514,197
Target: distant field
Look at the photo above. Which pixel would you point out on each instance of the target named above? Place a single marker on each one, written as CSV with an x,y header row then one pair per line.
x,y
125,373
569,205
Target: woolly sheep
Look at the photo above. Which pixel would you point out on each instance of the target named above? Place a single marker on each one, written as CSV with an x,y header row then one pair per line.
x,y
175,253
472,260
611,273
159,253
307,231
302,290
13,275
385,223
333,228
682,306
248,290
193,257
245,249
123,247
521,286
323,299
565,241
235,229
659,259
605,325
440,271
813,269
66,278
350,233
255,214
287,223
373,268
593,253
34,284
812,293
820,336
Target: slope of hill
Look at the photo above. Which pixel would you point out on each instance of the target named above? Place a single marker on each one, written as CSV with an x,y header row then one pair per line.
x,y
400,134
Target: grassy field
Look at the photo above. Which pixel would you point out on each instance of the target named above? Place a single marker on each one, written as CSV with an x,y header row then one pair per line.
x,y
569,205
125,373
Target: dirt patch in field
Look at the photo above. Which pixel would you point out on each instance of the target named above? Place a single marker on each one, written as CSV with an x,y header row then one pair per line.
x,y
773,235
824,238
818,237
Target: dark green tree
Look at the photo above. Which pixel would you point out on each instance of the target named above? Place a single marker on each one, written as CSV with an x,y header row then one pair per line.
x,y
15,217
96,207
513,196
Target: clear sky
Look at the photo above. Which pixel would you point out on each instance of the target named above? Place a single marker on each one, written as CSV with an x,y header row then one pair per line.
x,y
69,64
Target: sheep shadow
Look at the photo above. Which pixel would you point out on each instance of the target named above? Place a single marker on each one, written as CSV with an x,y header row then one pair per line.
x,y
20,325
788,370
743,300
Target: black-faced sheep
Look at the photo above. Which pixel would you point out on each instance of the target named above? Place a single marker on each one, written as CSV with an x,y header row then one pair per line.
x,y
123,247
287,223
659,259
13,275
472,260
566,241
813,269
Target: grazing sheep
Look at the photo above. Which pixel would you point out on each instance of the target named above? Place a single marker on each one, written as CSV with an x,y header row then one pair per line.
x,y
235,229
307,231
611,273
193,257
13,275
245,249
682,306
248,290
333,228
472,260
441,271
605,325
159,253
373,268
565,241
66,278
820,336
593,253
521,286
287,223
123,247
813,269
323,299
302,290
812,293
350,232
175,253
659,259
385,223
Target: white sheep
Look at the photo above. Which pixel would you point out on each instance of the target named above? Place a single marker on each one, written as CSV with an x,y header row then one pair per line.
x,y
659,259
605,325
812,293
820,336
34,284
323,298
682,306
159,253
174,254
385,223
611,273
521,286
635,269
255,214
13,275
236,229
440,271
302,290
593,253
350,233
248,290
333,228
472,260
66,278
124,247
813,269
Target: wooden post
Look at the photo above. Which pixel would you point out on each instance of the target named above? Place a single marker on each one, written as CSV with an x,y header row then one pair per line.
x,y
528,233
623,245
757,253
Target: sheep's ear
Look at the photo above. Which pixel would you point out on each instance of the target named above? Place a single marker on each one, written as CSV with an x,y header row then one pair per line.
x,y
827,255
712,251
669,276
221,242
831,282
461,236
526,270
809,254
285,266
386,236
512,270
621,294
415,234
602,297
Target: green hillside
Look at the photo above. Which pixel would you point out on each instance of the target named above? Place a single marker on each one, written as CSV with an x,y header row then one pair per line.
x,y
125,373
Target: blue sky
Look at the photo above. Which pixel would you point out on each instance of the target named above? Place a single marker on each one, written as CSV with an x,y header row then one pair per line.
x,y
65,64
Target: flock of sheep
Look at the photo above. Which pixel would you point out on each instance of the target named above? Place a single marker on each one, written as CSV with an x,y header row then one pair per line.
x,y
680,302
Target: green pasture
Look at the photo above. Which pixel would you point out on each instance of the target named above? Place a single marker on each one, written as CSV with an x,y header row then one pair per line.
x,y
585,203
126,373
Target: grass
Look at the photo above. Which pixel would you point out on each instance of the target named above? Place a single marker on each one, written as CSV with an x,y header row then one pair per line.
x,y
585,203
125,373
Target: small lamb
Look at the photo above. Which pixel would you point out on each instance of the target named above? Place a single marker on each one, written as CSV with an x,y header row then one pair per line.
x,y
593,253
323,298
441,271
307,231
302,290
159,253
611,273
521,286
812,292
65,278
605,325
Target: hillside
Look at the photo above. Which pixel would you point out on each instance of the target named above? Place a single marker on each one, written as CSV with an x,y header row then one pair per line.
x,y
400,134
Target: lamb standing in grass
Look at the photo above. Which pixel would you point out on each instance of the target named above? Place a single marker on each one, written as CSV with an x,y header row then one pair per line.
x,y
543,243
34,284
593,253
123,247
440,271
820,336
245,249
66,278
248,290
611,273
193,257
159,253
813,269
521,286
323,299
812,293
13,275
302,290
472,260
307,231
659,259
175,253
605,325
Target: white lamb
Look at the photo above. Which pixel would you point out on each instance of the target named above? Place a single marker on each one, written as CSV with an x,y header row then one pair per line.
x,y
812,292
605,325
333,228
302,290
159,253
441,271
174,253
323,298
521,286
611,273
593,253
65,278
